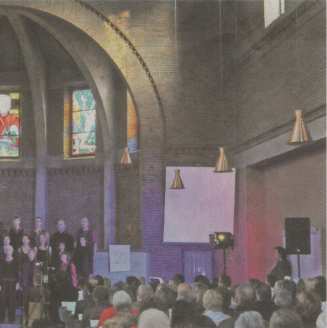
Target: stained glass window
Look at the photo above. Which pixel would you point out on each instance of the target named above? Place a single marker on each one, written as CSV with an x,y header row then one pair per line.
x,y
132,125
9,124
83,123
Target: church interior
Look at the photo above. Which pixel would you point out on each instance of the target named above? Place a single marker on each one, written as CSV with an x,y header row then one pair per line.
x,y
173,142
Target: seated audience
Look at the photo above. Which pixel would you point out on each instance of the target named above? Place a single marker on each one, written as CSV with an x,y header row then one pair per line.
x,y
144,297
182,314
264,304
100,297
198,291
285,318
178,279
321,320
243,300
213,302
153,318
121,304
283,299
250,319
185,293
164,298
203,280
308,306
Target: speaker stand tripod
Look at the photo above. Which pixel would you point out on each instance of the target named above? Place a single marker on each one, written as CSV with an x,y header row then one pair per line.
x,y
298,266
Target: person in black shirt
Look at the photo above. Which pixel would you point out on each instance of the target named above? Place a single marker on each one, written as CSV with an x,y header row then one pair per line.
x,y
61,236
84,252
282,268
8,285
38,230
26,276
16,234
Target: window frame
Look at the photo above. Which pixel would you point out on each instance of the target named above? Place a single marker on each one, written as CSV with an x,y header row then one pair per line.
x,y
71,111
7,91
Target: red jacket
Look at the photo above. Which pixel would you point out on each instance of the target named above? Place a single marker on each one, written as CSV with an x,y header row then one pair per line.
x,y
110,312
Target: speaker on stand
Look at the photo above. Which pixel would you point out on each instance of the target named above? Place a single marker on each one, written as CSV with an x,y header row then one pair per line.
x,y
297,238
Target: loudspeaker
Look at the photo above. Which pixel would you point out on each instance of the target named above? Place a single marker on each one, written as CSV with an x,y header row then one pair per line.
x,y
297,235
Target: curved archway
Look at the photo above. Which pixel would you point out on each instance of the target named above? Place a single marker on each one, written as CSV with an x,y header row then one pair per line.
x,y
113,41
149,108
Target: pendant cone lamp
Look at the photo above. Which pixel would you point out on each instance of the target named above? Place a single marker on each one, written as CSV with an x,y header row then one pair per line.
x,y
177,183
126,158
222,162
300,134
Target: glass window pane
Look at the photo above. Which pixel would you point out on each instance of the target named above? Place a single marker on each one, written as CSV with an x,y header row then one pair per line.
x,y
83,143
9,146
84,121
83,100
9,124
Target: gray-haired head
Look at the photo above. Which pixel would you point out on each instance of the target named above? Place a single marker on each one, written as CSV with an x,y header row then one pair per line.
x,y
285,318
321,320
144,294
153,318
213,300
121,300
249,319
245,296
283,298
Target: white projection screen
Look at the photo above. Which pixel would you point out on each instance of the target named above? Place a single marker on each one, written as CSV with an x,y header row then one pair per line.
x,y
206,205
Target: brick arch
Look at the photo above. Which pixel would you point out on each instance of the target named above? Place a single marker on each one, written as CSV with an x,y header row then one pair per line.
x,y
113,41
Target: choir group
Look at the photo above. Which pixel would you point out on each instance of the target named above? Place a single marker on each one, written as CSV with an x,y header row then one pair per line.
x,y
37,265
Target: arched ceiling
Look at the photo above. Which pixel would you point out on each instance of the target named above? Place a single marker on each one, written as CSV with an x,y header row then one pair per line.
x,y
11,58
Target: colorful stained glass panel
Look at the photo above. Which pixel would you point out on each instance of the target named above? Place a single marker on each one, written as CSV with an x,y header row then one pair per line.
x,y
9,124
83,137
132,125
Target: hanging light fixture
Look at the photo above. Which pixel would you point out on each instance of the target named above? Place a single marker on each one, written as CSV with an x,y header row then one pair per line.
x,y
126,158
222,162
177,183
300,134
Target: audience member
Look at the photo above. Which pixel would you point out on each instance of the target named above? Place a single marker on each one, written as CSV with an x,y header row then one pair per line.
x,y
283,298
144,297
164,298
264,304
100,297
243,300
185,293
213,302
153,318
203,280
121,304
285,318
250,319
198,291
308,306
321,320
